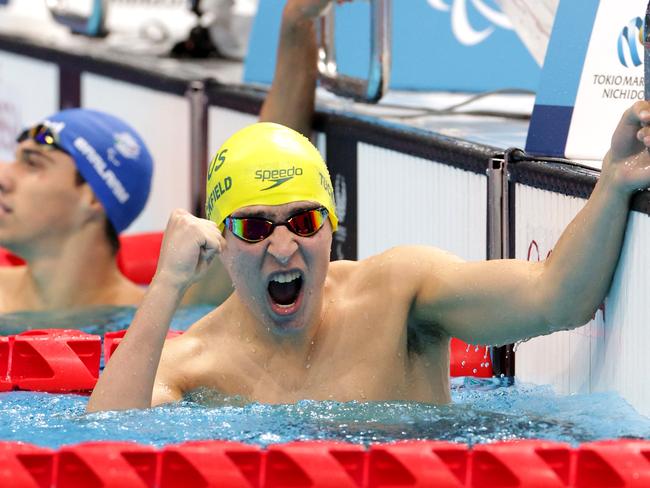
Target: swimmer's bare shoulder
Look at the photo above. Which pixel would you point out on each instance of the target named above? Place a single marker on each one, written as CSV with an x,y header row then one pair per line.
x,y
397,278
399,272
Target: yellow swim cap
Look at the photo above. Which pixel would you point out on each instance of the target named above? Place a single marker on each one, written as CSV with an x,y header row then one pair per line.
x,y
267,164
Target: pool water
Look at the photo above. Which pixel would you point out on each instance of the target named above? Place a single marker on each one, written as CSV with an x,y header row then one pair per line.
x,y
476,416
482,411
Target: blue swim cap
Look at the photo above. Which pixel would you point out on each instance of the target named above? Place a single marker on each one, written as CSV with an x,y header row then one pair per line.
x,y
111,157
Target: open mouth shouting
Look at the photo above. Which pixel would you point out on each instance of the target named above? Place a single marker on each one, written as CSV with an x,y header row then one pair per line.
x,y
284,290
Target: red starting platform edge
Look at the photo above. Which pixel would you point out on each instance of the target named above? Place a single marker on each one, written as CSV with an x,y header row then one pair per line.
x,y
316,464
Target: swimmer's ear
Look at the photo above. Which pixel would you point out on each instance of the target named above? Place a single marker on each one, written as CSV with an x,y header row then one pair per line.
x,y
92,206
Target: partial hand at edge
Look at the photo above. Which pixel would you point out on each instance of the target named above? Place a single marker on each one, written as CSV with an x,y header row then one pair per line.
x,y
627,163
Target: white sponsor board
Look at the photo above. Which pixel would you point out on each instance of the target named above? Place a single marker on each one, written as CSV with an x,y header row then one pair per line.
x,y
163,122
29,92
611,80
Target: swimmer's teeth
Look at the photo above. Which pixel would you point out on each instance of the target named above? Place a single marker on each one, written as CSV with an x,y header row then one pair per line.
x,y
286,277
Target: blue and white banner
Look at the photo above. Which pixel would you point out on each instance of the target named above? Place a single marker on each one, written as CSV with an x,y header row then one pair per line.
x,y
592,73
455,45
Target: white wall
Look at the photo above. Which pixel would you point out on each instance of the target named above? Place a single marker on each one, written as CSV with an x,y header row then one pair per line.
x,y
29,91
403,199
162,120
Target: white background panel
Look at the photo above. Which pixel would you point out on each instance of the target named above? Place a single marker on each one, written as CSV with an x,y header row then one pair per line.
x,y
29,91
621,363
609,353
222,123
162,120
403,199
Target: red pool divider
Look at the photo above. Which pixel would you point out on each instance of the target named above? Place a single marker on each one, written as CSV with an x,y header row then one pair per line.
x,y
9,259
138,256
527,463
54,360
314,463
5,355
469,360
25,465
210,464
418,464
613,463
113,339
106,464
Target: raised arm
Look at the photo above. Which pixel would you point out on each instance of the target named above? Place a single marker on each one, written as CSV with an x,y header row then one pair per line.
x,y
291,98
502,301
189,245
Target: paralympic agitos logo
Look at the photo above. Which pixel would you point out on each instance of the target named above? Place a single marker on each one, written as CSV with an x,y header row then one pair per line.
x,y
630,43
277,176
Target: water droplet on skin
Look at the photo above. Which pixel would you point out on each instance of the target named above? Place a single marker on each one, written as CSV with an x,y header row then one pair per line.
x,y
253,350
308,365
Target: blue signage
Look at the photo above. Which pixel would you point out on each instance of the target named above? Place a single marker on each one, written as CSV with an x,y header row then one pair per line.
x,y
450,45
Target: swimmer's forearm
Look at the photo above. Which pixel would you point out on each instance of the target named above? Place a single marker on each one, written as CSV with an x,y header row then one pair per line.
x,y
290,100
579,272
128,379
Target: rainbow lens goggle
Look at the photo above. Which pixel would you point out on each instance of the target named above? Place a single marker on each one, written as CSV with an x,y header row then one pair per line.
x,y
42,135
255,229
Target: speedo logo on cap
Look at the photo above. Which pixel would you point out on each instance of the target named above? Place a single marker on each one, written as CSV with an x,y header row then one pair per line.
x,y
277,176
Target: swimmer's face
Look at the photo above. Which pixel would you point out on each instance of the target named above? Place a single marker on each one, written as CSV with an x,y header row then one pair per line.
x,y
281,278
39,198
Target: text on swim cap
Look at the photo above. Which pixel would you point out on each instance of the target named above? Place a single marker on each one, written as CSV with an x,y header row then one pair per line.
x,y
278,176
217,192
100,166
216,163
327,186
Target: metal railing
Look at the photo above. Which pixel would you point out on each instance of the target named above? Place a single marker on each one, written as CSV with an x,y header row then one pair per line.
x,y
374,87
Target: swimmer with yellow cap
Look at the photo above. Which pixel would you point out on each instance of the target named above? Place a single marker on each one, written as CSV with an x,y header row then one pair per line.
x,y
269,187
267,164
299,327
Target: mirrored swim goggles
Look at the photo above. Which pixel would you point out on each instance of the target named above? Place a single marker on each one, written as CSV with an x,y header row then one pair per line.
x,y
255,229
42,135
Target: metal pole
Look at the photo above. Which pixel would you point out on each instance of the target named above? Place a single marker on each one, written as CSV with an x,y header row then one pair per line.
x,y
503,357
198,146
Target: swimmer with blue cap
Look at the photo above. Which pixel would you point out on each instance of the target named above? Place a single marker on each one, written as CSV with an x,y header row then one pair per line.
x,y
299,327
79,178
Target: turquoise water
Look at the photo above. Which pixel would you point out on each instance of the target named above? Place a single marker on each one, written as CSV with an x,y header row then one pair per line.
x,y
481,412
476,416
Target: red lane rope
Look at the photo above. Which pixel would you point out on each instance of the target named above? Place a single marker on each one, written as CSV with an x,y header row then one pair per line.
x,y
526,463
